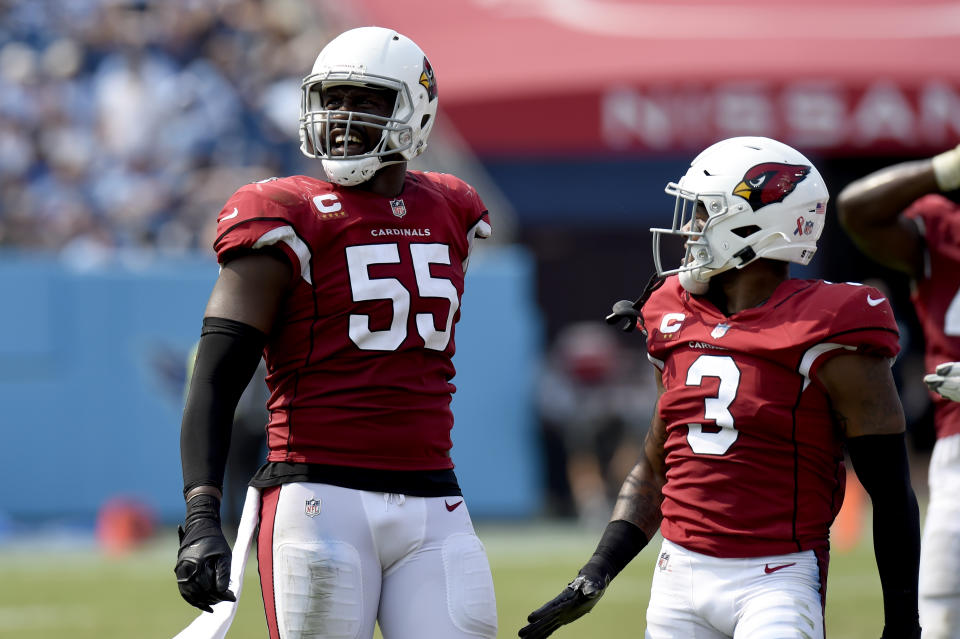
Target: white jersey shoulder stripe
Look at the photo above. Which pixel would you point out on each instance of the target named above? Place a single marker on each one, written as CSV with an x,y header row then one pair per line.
x,y
811,355
482,230
656,362
288,236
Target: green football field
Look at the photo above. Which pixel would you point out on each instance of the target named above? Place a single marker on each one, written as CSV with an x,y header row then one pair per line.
x,y
49,591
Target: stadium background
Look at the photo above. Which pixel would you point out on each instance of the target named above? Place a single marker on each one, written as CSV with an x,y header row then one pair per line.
x,y
125,124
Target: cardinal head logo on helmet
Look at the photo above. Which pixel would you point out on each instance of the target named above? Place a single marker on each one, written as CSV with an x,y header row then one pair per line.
x,y
770,182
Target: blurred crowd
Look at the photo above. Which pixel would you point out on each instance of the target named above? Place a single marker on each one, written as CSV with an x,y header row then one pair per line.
x,y
595,398
125,124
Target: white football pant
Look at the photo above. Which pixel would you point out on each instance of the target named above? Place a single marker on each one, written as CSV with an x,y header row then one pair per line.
x,y
333,561
940,547
696,596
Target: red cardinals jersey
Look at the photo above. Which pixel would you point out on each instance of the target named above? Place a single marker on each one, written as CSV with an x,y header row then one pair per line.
x,y
754,461
937,296
359,362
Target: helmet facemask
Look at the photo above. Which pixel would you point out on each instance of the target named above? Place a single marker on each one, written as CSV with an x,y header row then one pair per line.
x,y
393,134
376,58
695,216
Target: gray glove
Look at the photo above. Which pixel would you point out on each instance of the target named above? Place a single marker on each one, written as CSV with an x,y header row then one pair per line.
x,y
946,381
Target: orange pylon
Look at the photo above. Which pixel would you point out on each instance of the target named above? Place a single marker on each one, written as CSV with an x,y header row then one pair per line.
x,y
847,529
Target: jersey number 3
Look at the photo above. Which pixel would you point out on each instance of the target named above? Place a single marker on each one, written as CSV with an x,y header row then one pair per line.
x,y
714,441
365,288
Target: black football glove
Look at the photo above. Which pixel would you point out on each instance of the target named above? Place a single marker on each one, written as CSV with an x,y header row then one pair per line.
x,y
203,561
576,600
625,314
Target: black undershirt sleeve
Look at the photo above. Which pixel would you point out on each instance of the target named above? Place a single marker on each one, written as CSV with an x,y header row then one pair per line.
x,y
227,356
882,467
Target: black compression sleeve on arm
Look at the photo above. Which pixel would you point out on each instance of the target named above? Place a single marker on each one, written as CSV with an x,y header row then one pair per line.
x,y
227,356
882,467
620,543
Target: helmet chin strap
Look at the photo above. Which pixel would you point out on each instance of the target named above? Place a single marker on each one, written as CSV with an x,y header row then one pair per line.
x,y
351,172
692,284
697,280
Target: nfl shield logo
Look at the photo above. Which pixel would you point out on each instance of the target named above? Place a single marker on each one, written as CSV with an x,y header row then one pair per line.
x,y
313,507
719,330
663,561
398,207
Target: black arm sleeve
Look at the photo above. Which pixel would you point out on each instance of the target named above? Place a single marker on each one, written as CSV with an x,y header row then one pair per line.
x,y
227,356
882,467
619,544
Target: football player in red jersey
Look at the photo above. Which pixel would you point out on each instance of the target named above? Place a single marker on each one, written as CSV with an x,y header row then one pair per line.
x,y
898,217
763,380
350,288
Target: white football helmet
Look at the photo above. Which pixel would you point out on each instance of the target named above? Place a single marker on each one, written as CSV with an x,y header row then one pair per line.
x,y
742,199
379,58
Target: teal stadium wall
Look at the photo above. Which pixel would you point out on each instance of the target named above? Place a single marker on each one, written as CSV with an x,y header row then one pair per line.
x,y
91,371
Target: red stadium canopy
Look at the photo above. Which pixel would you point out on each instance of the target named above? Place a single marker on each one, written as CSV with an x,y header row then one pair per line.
x,y
610,76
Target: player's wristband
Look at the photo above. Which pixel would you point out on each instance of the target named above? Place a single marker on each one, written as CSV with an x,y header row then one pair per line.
x,y
202,518
620,543
946,168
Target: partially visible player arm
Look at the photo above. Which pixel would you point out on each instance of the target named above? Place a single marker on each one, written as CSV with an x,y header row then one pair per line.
x,y
867,409
641,493
241,311
869,208
636,519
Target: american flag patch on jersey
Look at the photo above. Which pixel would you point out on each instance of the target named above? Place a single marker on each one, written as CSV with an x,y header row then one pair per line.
x,y
398,207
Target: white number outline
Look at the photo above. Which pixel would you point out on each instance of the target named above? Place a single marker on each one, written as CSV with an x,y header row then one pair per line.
x,y
715,408
365,288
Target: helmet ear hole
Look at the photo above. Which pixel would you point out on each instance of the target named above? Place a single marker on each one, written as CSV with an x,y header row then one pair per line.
x,y
424,120
745,231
